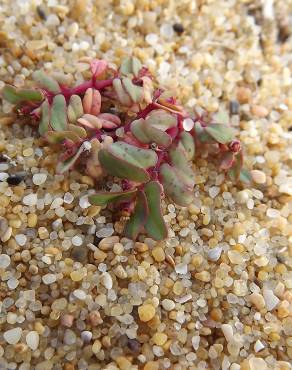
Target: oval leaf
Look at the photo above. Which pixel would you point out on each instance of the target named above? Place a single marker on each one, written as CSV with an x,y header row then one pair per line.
x,y
161,119
148,134
68,163
180,162
123,97
75,108
58,113
188,144
155,225
223,134
137,221
103,198
135,92
130,65
16,96
79,131
45,118
56,137
46,82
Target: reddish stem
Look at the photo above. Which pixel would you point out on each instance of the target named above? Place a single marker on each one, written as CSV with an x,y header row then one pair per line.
x,y
80,89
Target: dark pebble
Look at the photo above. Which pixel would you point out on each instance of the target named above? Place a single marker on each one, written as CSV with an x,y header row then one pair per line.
x,y
79,253
134,345
290,128
3,158
14,179
41,12
178,28
234,107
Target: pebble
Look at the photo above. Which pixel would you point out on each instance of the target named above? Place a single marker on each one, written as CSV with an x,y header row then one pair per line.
x,y
258,346
203,276
214,191
12,336
79,294
107,280
270,299
146,312
243,95
257,300
67,320
227,331
14,179
4,261
158,254
49,279
259,111
86,336
214,254
257,363
39,178
178,28
235,257
259,177
181,268
21,239
36,44
32,340
159,339
77,240
30,199
69,337
168,304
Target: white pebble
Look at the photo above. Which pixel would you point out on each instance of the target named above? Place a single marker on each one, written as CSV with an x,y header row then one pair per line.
x,y
77,240
12,283
12,336
32,340
56,203
86,336
21,239
166,31
30,199
214,191
214,253
188,124
270,299
39,178
181,268
80,294
168,304
273,213
259,177
258,346
151,39
68,198
83,202
3,176
196,342
4,261
227,331
107,280
49,279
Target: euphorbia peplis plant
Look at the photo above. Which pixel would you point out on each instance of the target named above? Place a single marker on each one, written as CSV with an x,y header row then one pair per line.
x,y
118,123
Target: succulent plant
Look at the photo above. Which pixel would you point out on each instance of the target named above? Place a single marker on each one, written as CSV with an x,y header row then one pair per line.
x,y
117,124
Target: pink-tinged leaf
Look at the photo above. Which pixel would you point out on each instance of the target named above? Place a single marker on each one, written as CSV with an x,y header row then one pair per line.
x,y
234,171
90,121
142,158
116,166
147,89
130,65
245,176
68,163
123,97
138,219
148,134
135,92
79,131
98,67
174,187
155,225
227,160
75,108
59,113
103,198
129,138
45,118
109,121
179,161
16,96
165,105
223,134
57,137
187,143
92,101
46,82
161,120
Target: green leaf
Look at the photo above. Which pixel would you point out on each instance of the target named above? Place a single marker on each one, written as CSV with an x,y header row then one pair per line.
x,y
15,96
68,163
103,198
155,225
79,131
130,65
148,134
45,118
75,108
123,97
57,137
116,166
174,187
221,116
143,158
245,176
202,135
180,162
227,160
46,82
234,171
135,225
135,92
187,142
221,133
58,113
161,119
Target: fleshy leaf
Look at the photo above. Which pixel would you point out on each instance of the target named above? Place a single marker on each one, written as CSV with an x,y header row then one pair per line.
x,y
103,198
221,117
143,158
15,96
173,186
202,135
130,65
46,82
148,134
90,121
245,176
135,92
79,131
137,221
188,144
98,66
56,137
58,113
68,163
227,160
123,97
221,133
109,121
234,171
155,225
116,166
161,120
75,108
180,162
45,118
92,101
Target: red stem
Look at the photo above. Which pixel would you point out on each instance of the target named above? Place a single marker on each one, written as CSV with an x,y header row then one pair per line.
x,y
80,89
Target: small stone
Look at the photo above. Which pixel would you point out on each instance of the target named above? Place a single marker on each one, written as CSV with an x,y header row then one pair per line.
x,y
86,336
6,235
258,346
168,304
188,124
257,300
243,95
4,261
227,331
67,320
158,254
108,243
271,300
146,312
235,257
79,253
14,179
77,240
79,294
214,191
214,254
49,279
30,199
257,363
181,268
32,340
21,239
203,276
107,280
178,28
151,39
36,44
12,336
69,337
159,339
43,233
259,111
259,177
39,178
240,288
